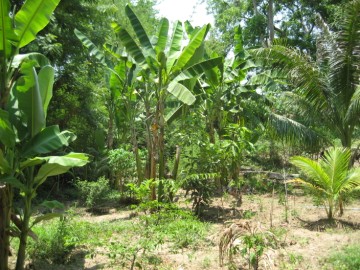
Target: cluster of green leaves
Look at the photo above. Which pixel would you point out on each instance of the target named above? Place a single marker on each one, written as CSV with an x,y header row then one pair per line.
x,y
93,193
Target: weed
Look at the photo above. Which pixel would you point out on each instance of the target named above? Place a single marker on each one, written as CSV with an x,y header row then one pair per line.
x,y
248,240
206,263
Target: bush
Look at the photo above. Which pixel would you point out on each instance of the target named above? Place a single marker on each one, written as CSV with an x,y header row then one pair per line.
x,y
54,243
93,193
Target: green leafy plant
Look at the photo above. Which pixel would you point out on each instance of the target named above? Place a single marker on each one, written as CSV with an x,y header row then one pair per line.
x,y
55,242
331,179
25,140
123,166
93,192
201,188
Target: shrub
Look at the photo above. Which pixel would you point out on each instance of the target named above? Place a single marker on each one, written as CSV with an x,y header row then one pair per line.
x,y
93,193
55,241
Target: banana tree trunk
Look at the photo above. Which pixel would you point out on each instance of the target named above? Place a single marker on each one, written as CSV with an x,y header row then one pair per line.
x,y
176,162
5,215
153,153
161,144
139,170
110,137
147,172
20,262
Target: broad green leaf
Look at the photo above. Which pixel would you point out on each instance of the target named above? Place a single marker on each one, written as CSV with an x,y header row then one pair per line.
x,y
173,114
239,48
181,93
7,34
37,118
117,79
91,46
52,204
71,160
57,165
140,32
7,135
47,216
38,59
189,28
33,162
162,35
127,41
190,49
49,139
13,182
198,69
175,45
4,164
46,81
33,16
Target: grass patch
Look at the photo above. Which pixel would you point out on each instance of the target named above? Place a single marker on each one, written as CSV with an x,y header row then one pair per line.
x,y
125,242
346,259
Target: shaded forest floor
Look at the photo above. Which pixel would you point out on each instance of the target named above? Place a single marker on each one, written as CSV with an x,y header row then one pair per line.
x,y
306,239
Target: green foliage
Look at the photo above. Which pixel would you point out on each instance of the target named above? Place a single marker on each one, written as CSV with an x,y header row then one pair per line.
x,y
345,259
55,241
123,163
330,179
93,193
201,188
123,241
320,98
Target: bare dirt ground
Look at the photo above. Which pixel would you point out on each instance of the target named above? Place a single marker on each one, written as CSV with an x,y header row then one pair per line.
x,y
306,239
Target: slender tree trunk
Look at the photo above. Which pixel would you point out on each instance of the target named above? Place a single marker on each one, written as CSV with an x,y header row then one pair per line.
x,y
148,137
5,215
139,170
110,137
211,132
20,262
271,22
154,130
161,143
176,162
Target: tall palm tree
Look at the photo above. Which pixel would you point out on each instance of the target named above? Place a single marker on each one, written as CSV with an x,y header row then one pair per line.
x,y
330,179
325,93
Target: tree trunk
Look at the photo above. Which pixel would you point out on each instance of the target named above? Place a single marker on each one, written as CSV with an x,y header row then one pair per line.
x,y
20,262
161,144
139,170
271,22
176,162
5,215
154,130
110,137
148,136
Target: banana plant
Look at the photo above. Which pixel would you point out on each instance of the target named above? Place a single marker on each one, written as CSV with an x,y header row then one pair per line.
x,y
164,65
25,92
171,67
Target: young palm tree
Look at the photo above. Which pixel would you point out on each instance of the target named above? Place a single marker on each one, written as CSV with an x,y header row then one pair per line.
x,y
330,179
324,96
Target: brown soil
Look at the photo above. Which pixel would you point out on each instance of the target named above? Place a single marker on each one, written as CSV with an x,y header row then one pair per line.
x,y
308,237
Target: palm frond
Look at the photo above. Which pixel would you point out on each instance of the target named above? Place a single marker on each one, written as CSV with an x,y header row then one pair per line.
x,y
318,178
336,164
292,131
